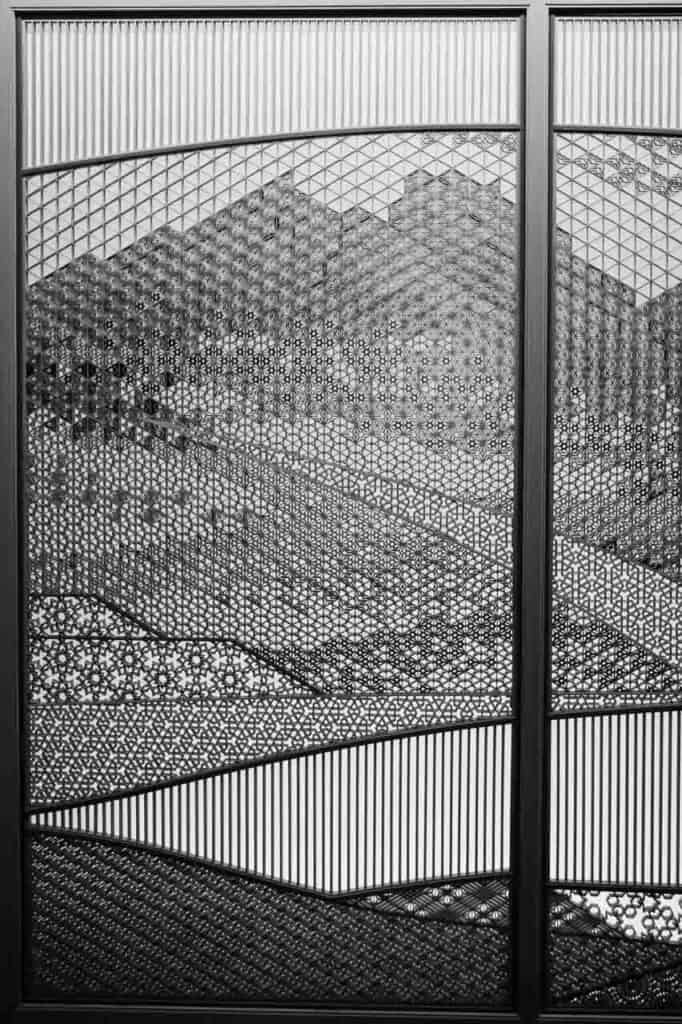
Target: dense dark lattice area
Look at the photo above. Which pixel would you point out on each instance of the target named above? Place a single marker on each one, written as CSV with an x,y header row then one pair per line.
x,y
595,964
113,922
595,665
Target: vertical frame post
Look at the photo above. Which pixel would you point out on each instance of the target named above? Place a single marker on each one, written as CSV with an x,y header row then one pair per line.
x,y
10,548
530,817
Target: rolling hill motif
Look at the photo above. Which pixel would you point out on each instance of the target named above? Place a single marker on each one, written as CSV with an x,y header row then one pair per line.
x,y
405,810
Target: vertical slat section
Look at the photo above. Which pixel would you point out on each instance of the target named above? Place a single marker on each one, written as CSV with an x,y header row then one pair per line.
x,y
616,799
98,87
617,71
248,819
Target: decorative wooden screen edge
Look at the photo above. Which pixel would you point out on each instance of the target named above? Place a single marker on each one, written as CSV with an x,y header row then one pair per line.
x,y
534,862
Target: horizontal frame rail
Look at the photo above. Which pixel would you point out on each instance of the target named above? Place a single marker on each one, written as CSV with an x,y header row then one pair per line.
x,y
594,129
255,140
559,883
615,709
35,1013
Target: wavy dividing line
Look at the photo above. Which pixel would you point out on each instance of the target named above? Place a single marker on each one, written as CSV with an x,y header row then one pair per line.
x,y
276,758
372,814
351,896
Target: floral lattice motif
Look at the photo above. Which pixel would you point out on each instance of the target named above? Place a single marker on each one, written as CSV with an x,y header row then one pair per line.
x,y
615,950
482,902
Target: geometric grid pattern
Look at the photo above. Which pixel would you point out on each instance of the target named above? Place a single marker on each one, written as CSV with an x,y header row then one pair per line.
x,y
637,914
617,378
78,751
615,950
620,196
100,209
270,447
480,902
104,927
616,644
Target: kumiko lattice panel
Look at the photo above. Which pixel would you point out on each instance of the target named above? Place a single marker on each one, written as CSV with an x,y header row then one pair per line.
x,y
270,447
618,522
616,692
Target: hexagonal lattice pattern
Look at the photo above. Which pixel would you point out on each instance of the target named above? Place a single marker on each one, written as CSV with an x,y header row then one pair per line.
x,y
270,403
270,443
480,902
617,567
615,950
617,405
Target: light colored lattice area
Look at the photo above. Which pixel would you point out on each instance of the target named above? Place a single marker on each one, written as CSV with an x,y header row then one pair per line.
x,y
619,198
656,916
104,208
615,950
